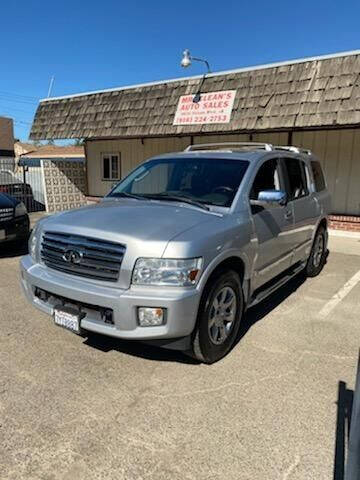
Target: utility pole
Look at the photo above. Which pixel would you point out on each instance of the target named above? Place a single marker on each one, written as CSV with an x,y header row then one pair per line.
x,y
50,86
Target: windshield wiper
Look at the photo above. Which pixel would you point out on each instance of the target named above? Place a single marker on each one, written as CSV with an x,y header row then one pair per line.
x,y
161,196
176,198
126,195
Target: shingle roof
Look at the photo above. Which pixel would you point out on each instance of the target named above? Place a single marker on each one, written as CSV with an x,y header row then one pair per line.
x,y
318,92
25,147
56,151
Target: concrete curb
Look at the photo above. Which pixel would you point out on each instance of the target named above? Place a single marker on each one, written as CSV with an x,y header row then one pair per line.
x,y
343,233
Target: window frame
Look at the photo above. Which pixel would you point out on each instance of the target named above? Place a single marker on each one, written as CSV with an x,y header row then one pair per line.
x,y
317,162
306,177
281,175
119,162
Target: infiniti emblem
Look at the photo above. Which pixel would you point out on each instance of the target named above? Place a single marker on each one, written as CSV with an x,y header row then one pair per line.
x,y
72,256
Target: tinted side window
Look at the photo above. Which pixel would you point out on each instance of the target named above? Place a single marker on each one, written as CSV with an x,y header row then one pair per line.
x,y
267,178
318,176
296,178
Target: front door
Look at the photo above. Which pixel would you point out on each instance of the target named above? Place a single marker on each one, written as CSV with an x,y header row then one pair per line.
x,y
272,226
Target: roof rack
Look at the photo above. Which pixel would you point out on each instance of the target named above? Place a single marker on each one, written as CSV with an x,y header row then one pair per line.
x,y
229,146
237,146
293,149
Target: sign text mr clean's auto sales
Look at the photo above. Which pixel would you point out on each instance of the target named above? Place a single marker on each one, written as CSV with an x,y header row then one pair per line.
x,y
214,107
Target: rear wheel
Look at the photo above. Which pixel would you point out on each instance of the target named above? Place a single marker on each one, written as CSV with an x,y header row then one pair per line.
x,y
219,317
318,254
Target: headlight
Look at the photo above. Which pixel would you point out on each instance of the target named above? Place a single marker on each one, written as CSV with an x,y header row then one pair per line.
x,y
33,243
20,210
166,271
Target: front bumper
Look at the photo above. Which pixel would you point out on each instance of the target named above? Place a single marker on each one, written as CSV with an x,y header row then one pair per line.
x,y
181,304
15,229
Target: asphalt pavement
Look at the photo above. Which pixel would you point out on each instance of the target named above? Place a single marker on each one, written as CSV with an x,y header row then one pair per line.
x,y
98,408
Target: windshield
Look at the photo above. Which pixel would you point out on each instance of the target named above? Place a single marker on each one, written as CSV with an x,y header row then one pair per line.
x,y
211,181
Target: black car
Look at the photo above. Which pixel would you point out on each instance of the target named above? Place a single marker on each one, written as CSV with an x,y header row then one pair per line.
x,y
14,219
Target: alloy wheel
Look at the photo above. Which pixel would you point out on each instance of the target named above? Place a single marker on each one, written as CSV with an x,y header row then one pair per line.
x,y
318,250
222,315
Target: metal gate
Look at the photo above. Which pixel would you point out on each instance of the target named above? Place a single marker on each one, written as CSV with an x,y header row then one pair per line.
x,y
23,181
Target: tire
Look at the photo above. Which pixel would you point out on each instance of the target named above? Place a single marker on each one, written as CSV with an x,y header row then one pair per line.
x,y
218,322
318,254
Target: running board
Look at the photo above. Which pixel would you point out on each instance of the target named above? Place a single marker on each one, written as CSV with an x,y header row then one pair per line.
x,y
261,293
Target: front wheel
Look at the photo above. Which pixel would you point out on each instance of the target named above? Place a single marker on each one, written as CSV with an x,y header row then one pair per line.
x,y
219,316
318,254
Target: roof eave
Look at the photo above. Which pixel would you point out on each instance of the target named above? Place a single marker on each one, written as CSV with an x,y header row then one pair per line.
x,y
209,75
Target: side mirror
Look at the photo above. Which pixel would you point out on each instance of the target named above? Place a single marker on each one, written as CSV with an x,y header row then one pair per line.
x,y
270,198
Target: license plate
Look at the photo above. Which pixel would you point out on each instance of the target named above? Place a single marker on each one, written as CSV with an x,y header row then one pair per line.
x,y
2,235
67,318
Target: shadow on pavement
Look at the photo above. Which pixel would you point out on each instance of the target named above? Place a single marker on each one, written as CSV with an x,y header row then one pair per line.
x,y
33,205
347,443
137,349
252,316
343,422
259,311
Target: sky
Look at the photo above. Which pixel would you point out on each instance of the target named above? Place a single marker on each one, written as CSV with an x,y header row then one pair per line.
x,y
90,45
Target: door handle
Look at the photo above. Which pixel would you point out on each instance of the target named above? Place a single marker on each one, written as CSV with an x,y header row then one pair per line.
x,y
288,214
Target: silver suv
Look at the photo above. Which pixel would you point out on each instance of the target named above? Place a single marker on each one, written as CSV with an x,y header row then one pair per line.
x,y
182,246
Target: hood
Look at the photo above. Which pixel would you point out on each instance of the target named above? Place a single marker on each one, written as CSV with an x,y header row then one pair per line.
x,y
128,220
7,202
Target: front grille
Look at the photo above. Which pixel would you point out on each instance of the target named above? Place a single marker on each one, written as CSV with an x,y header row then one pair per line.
x,y
6,214
82,256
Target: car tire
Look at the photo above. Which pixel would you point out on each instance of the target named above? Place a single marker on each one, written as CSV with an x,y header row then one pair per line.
x,y
219,317
318,254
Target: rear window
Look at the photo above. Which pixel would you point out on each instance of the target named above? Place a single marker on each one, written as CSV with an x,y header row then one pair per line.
x,y
318,176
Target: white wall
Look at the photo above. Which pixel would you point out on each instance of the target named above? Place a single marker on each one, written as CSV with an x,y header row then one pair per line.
x,y
133,152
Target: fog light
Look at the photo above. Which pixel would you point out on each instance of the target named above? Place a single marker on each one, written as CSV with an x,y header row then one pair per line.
x,y
150,317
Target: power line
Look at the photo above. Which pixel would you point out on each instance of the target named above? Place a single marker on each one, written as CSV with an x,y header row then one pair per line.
x,y
5,128
28,97
9,109
5,99
22,122
13,117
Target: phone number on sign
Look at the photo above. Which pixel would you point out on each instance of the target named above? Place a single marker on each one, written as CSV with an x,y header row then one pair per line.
x,y
203,119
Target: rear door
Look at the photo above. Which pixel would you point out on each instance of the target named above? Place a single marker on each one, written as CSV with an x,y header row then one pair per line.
x,y
273,226
304,205
321,193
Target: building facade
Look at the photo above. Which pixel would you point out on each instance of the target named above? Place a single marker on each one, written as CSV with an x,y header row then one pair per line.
x,y
7,153
312,103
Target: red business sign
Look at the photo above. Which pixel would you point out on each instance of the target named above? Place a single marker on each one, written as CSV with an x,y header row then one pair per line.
x,y
214,107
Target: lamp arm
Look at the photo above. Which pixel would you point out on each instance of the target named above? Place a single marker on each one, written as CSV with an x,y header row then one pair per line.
x,y
203,61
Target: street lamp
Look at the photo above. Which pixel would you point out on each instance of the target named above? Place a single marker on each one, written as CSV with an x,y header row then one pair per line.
x,y
186,62
188,58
